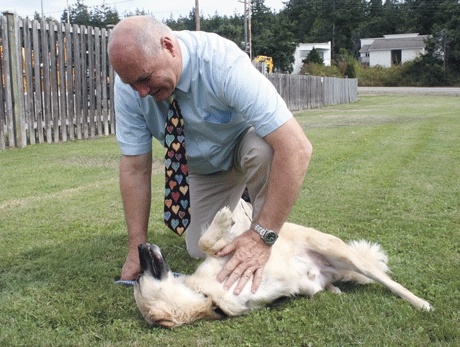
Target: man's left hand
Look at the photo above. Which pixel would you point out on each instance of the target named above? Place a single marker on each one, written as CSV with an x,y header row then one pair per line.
x,y
248,261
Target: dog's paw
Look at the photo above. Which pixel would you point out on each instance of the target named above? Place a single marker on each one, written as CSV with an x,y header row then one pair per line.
x,y
333,289
426,306
212,239
223,220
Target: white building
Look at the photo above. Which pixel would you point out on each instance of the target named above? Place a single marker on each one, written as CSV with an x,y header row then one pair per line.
x,y
391,49
303,49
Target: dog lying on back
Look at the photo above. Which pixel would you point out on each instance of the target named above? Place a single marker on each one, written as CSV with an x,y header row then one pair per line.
x,y
303,261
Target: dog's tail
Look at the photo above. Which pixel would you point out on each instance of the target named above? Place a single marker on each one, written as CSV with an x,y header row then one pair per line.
x,y
371,253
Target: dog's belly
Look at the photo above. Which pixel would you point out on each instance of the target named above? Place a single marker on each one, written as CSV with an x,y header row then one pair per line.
x,y
304,273
315,272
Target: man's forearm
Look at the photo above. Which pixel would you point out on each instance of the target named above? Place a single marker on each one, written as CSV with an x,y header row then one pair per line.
x,y
289,165
135,187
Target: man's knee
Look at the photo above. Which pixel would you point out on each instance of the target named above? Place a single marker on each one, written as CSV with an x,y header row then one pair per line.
x,y
194,251
256,152
192,239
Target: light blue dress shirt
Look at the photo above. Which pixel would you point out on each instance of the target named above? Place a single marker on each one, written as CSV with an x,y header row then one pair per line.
x,y
220,94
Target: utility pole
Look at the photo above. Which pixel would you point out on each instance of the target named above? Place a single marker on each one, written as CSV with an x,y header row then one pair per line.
x,y
197,15
247,26
250,28
444,48
333,29
68,12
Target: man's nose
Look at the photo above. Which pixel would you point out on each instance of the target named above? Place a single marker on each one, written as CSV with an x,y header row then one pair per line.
x,y
143,90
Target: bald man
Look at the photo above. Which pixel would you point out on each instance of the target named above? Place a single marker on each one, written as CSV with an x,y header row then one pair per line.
x,y
239,133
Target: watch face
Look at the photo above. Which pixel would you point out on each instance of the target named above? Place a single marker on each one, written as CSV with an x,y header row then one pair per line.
x,y
270,238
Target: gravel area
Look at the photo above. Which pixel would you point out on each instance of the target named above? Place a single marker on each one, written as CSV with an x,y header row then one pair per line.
x,y
409,90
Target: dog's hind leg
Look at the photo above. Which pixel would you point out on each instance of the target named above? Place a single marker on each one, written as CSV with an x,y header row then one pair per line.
x,y
342,257
370,251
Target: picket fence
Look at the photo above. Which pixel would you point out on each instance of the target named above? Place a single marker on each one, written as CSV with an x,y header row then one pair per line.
x,y
57,84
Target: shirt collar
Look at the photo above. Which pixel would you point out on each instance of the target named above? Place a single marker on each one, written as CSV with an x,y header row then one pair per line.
x,y
185,79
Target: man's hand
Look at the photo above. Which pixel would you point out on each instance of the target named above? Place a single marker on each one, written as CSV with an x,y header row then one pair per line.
x,y
248,261
131,268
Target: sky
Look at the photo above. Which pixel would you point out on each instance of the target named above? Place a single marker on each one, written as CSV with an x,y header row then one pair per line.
x,y
160,9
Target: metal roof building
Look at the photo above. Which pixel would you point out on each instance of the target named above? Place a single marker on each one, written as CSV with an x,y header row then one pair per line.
x,y
391,49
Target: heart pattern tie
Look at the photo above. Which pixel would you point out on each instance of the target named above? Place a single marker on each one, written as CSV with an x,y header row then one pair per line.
x,y
177,195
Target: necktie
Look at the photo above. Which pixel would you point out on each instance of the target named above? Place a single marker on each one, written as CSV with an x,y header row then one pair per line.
x,y
177,195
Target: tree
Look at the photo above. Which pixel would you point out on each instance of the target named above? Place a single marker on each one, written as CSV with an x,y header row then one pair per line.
x,y
419,15
231,28
103,16
78,14
313,57
326,20
39,18
272,36
447,21
182,23
100,16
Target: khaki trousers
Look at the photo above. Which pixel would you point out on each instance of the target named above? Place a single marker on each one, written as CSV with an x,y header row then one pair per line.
x,y
209,193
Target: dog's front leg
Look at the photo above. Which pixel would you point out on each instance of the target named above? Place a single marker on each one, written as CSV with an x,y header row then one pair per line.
x,y
225,226
213,239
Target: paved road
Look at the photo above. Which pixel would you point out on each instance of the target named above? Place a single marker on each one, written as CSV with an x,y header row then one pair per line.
x,y
409,90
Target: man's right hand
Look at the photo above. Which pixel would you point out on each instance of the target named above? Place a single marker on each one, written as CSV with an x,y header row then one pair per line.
x,y
131,267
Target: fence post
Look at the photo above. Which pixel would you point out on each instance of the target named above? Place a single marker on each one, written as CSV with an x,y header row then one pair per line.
x,y
15,59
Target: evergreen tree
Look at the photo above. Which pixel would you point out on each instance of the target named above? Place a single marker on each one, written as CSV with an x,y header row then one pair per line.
x,y
272,36
313,57
103,16
78,14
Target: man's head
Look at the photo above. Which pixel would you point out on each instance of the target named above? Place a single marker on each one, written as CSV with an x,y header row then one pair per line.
x,y
146,54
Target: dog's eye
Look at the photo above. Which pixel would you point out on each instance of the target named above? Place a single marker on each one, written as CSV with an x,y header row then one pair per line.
x,y
217,310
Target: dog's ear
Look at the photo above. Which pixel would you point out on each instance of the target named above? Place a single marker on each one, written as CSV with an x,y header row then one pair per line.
x,y
169,318
163,317
208,311
166,323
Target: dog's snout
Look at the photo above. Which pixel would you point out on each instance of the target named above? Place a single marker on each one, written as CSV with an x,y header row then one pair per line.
x,y
152,261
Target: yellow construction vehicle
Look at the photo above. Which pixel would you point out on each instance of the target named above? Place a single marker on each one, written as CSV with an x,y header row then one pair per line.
x,y
263,63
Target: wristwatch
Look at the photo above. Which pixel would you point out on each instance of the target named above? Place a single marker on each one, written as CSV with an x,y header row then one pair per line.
x,y
268,236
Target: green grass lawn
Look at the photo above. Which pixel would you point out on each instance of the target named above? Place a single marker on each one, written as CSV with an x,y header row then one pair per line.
x,y
386,169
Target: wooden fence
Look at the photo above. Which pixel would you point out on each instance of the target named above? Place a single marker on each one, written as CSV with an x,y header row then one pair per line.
x,y
303,92
57,84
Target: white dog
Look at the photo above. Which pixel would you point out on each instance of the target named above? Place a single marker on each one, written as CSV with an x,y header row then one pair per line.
x,y
303,261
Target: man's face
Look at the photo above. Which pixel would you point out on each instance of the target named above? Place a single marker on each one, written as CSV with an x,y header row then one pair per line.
x,y
156,77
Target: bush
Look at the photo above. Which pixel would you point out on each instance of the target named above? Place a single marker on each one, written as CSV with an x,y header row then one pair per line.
x,y
415,73
345,65
320,70
421,72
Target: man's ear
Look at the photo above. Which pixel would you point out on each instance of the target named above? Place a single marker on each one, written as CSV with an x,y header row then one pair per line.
x,y
167,43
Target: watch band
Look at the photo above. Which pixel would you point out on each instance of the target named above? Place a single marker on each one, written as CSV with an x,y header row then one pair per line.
x,y
268,236
259,230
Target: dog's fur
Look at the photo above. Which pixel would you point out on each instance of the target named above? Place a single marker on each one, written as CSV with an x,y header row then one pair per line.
x,y
303,261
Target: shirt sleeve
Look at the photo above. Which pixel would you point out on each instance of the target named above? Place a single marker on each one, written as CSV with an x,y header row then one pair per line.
x,y
133,134
252,94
